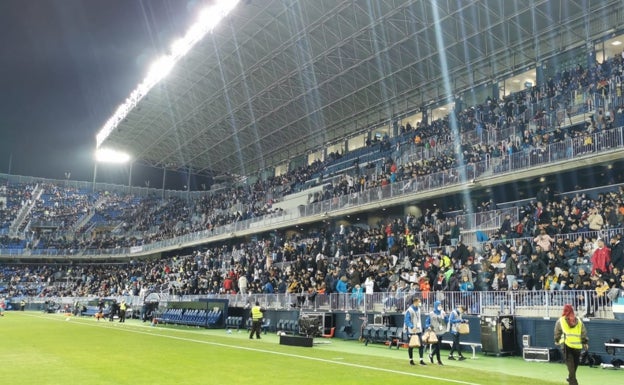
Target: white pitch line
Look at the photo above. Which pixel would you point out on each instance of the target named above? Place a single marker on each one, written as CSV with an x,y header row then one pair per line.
x,y
374,368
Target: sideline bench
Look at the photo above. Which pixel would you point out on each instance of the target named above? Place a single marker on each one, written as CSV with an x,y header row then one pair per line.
x,y
190,317
473,346
266,323
614,346
232,322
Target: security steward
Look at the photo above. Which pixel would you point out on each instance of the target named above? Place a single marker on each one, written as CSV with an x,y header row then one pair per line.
x,y
22,305
571,334
256,317
122,311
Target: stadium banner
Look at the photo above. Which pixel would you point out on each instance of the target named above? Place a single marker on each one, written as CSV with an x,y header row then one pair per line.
x,y
136,249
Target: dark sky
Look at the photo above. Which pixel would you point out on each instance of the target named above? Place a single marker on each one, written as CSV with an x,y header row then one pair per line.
x,y
65,66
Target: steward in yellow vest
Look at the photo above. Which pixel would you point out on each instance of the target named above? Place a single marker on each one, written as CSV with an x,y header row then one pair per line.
x,y
571,334
256,318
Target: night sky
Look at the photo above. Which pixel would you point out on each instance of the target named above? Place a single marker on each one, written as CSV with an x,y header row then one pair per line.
x,y
65,66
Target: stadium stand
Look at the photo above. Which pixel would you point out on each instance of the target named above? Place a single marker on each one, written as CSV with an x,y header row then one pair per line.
x,y
562,119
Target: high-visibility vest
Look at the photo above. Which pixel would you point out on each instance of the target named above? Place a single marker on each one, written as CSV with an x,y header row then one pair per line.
x,y
256,313
571,335
409,239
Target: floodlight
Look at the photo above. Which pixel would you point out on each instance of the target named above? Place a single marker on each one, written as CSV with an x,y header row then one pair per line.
x,y
180,47
107,155
159,69
208,20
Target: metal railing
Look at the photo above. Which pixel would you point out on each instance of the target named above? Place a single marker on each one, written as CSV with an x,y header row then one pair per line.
x,y
524,303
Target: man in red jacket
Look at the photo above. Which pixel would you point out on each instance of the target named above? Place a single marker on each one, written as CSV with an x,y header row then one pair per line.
x,y
601,257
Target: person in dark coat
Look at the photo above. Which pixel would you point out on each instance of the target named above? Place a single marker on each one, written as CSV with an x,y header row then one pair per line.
x,y
617,252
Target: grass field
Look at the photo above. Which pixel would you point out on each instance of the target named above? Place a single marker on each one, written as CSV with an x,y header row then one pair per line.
x,y
40,348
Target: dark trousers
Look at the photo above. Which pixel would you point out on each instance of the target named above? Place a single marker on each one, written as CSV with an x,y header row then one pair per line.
x,y
571,357
435,349
256,325
122,316
455,346
421,349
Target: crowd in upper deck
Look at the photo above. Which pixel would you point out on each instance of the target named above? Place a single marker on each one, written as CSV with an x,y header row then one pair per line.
x,y
528,120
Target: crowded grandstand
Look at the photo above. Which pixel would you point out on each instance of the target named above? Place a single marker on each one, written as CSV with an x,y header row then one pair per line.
x,y
498,196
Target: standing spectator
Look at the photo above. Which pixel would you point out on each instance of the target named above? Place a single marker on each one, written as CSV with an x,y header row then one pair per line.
x,y
601,258
595,219
242,284
611,217
369,285
617,252
228,285
342,290
571,334
357,296
454,233
341,285
543,240
511,268
369,290
536,272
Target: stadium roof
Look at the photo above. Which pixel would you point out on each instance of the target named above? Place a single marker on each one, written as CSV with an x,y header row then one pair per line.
x,y
279,78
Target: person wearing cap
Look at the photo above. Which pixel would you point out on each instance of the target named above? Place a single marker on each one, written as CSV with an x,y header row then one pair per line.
x,y
412,324
571,334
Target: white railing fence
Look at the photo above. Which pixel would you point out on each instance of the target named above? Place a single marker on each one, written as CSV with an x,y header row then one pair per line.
x,y
522,303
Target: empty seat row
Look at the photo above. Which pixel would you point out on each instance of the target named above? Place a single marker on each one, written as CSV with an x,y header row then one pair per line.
x,y
170,316
266,324
288,326
191,317
233,322
391,336
200,317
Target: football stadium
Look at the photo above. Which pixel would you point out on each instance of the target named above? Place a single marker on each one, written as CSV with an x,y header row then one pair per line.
x,y
344,191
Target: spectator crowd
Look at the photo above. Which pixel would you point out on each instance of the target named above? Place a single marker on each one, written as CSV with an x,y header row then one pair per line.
x,y
563,243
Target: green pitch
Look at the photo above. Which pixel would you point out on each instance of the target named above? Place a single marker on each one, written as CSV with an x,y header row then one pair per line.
x,y
43,349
